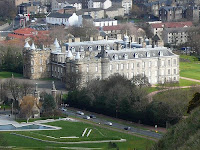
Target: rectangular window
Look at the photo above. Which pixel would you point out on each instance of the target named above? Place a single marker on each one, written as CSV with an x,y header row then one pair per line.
x,y
110,67
40,69
150,64
32,70
117,66
96,68
132,66
168,71
122,66
138,64
156,73
174,71
163,63
127,66
174,61
143,64
156,64
168,62
40,61
87,69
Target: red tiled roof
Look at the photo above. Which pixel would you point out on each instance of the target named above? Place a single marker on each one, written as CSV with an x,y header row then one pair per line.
x,y
25,31
172,24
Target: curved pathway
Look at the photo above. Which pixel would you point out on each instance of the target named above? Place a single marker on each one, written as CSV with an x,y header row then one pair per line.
x,y
150,95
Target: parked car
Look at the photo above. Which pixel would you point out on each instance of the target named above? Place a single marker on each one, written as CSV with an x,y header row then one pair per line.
x,y
80,112
108,123
86,117
63,109
93,116
127,128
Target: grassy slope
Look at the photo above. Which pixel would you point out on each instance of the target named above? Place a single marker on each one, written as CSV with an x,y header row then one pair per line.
x,y
189,67
76,129
183,136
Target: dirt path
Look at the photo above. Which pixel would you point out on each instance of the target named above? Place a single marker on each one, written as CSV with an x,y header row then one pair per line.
x,y
195,80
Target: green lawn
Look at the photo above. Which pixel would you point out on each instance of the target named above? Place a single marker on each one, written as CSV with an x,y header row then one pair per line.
x,y
5,74
189,67
75,129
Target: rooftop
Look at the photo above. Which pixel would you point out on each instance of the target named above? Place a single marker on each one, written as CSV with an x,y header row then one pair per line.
x,y
172,24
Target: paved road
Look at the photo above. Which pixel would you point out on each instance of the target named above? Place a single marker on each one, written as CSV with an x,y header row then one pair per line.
x,y
118,125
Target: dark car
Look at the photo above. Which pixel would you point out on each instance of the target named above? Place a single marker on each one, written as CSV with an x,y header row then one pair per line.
x,y
93,116
127,128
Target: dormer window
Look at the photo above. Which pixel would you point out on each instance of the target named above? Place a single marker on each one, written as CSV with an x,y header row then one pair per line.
x,y
115,57
125,56
72,49
99,47
81,49
108,47
136,55
90,48
147,54
160,53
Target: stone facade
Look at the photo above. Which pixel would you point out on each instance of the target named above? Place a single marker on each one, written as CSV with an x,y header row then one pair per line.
x,y
100,59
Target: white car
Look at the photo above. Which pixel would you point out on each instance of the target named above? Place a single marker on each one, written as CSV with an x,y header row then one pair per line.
x,y
109,123
80,112
63,109
86,117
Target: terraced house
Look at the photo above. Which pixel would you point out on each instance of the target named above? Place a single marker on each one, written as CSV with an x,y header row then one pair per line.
x,y
100,59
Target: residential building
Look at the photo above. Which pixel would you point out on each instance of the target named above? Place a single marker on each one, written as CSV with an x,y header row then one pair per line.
x,y
157,28
100,59
64,19
192,13
174,36
104,22
31,8
169,13
95,13
60,4
104,4
114,11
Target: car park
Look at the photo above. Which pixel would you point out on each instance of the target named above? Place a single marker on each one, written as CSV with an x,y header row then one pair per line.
x,y
80,113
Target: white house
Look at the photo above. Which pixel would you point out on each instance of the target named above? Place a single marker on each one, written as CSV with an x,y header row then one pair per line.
x,y
104,22
104,4
64,19
60,4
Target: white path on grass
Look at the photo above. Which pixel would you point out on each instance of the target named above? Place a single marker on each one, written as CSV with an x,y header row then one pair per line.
x,y
80,142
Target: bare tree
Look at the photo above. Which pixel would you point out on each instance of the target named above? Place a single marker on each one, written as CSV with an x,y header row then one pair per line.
x,y
26,107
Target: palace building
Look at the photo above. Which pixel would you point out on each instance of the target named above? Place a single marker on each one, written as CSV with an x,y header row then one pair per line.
x,y
100,59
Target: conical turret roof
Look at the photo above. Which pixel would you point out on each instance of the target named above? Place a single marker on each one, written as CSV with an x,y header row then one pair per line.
x,y
33,46
26,45
69,55
77,56
56,43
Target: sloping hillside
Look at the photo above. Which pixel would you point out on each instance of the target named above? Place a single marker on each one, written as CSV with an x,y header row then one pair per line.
x,y
183,136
